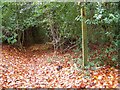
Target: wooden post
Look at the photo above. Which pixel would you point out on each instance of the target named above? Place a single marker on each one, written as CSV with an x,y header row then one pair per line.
x,y
84,37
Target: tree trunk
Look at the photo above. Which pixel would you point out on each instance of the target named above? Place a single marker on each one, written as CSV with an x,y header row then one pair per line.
x,y
54,32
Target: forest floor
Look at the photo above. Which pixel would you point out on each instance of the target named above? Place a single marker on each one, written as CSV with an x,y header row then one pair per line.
x,y
45,69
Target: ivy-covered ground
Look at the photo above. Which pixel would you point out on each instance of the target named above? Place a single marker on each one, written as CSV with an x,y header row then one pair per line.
x,y
45,69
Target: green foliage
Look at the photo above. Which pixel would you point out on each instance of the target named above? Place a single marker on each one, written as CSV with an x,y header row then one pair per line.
x,y
78,61
17,16
21,16
108,56
102,23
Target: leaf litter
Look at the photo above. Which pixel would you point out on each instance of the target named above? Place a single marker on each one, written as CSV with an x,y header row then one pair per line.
x,y
46,70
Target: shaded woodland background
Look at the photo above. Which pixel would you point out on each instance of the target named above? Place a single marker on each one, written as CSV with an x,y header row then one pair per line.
x,y
59,24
